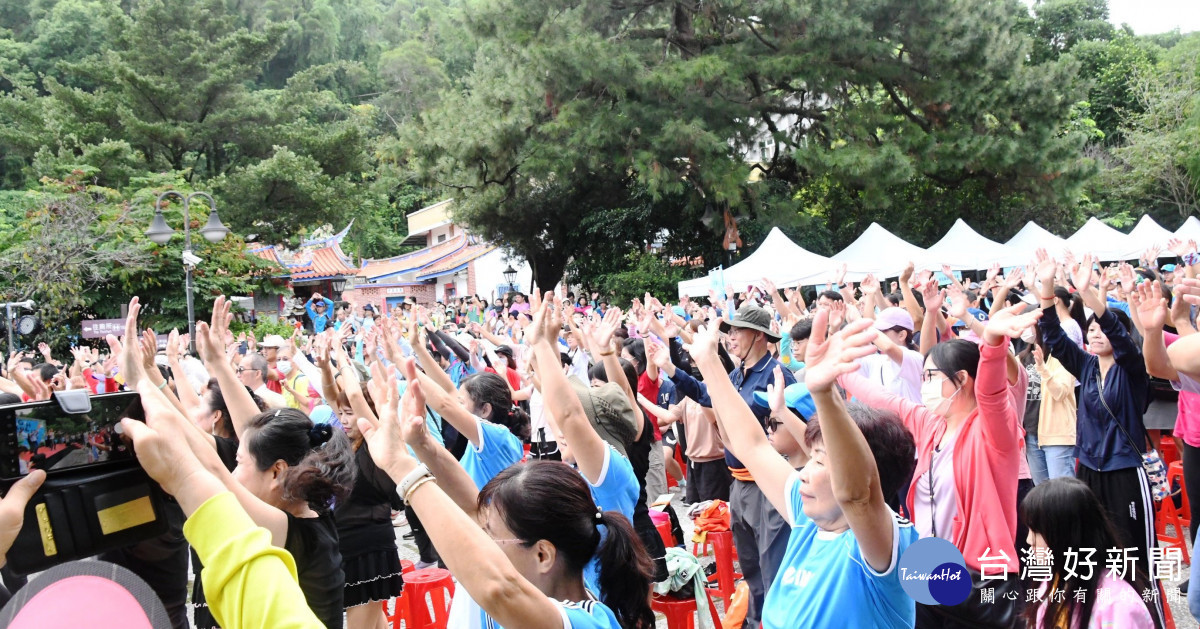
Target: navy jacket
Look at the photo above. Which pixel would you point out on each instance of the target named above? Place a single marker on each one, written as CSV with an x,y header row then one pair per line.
x,y
746,381
1099,443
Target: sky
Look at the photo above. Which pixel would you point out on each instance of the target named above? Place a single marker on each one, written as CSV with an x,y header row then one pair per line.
x,y
1148,17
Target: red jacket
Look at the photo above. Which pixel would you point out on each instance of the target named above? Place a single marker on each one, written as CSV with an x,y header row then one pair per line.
x,y
985,458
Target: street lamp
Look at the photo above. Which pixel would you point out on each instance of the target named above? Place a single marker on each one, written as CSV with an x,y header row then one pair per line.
x,y
510,275
161,233
339,285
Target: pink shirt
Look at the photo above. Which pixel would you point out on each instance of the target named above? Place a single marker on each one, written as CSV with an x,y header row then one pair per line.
x,y
1117,606
985,449
1187,423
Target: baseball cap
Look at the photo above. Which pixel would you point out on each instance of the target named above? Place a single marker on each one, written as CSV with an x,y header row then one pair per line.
x,y
978,314
894,317
796,397
272,340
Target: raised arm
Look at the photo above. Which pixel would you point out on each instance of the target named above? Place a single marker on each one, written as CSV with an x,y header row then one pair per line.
x,y
427,362
910,301
1147,301
1053,337
478,563
853,473
996,409
743,433
208,338
933,298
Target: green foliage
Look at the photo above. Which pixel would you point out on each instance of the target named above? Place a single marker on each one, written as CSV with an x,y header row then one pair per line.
x,y
640,272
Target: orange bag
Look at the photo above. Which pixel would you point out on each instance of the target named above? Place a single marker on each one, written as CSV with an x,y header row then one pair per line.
x,y
739,604
714,517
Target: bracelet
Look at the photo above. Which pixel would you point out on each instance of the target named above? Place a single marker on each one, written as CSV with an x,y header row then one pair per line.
x,y
415,486
608,353
421,470
163,385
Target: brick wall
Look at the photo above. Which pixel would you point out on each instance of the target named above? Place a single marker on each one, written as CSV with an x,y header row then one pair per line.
x,y
377,296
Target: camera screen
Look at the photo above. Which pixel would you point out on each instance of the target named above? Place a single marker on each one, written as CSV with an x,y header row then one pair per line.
x,y
41,435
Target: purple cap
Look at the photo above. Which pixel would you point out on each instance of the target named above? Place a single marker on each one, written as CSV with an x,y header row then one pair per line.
x,y
893,317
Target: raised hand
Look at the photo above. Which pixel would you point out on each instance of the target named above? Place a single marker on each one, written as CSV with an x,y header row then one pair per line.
x,y
149,348
907,274
1127,276
1013,279
1008,322
44,350
932,296
704,342
129,349
840,278
831,356
775,397
1147,301
1039,357
993,271
1047,268
958,302
1082,276
869,285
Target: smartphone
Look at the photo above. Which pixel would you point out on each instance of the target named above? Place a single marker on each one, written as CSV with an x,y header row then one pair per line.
x,y
42,435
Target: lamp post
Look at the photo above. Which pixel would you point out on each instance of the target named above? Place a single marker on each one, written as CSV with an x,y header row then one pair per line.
x,y
161,233
510,274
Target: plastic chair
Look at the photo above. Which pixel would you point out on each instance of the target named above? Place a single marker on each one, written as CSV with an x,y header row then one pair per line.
x,y
722,544
398,615
1167,449
681,612
1168,515
664,531
1175,473
424,589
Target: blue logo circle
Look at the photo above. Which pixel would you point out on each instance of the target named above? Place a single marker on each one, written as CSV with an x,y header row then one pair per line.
x,y
932,572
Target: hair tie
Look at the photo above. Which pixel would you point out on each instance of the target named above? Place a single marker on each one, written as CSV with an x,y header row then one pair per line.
x,y
599,514
319,435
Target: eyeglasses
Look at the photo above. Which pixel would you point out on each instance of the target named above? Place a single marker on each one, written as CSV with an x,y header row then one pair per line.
x,y
773,424
930,374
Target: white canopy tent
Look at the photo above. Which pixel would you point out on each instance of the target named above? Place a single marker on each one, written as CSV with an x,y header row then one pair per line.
x,y
778,259
1033,237
963,249
1105,242
1190,230
1148,233
879,252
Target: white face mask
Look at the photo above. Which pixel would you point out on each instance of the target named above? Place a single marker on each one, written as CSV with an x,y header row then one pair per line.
x,y
284,365
1027,335
932,398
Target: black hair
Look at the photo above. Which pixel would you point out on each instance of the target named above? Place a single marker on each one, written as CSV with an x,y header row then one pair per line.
x,y
891,443
319,458
971,297
895,299
636,349
547,500
1068,516
953,356
597,372
1074,306
1125,322
9,398
489,388
831,295
46,371
802,330
216,402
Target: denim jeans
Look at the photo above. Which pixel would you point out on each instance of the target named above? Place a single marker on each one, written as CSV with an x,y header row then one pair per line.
x,y
1049,461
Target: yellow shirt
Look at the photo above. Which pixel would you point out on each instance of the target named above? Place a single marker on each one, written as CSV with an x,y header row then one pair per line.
x,y
248,582
1056,415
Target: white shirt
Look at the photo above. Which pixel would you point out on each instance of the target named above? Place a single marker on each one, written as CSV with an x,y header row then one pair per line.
x,y
903,379
270,398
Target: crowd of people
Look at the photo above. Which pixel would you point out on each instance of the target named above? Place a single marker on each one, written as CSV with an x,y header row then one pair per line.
x,y
527,442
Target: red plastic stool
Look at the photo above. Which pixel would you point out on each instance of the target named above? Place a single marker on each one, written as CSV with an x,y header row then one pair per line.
x,y
1168,515
423,588
722,544
1175,473
399,605
681,612
1166,448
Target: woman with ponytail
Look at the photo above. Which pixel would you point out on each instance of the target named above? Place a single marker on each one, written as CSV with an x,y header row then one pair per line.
x,y
519,546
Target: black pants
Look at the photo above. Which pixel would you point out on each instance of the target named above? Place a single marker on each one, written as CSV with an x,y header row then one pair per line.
x,y
428,554
710,481
1024,486
1191,481
1125,494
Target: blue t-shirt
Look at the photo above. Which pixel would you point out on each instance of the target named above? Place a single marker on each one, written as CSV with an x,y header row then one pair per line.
x,y
617,490
498,449
465,613
824,581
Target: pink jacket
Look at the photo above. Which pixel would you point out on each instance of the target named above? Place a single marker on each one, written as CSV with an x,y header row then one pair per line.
x,y
985,458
